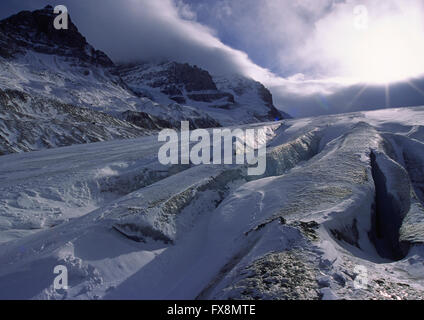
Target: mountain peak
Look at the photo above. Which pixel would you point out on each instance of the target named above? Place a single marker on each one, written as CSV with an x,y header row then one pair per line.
x,y
243,100
34,30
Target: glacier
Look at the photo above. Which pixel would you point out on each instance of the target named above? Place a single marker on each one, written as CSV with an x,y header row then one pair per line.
x,y
341,193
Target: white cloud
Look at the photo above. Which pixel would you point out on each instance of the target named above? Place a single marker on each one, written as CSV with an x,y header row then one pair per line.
x,y
389,48
184,10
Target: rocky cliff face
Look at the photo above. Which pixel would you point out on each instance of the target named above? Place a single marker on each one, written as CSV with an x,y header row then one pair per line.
x,y
191,78
35,31
228,99
179,82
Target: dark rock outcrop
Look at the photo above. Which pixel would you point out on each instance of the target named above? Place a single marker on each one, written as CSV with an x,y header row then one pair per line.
x,y
191,78
35,30
180,82
145,120
211,97
266,96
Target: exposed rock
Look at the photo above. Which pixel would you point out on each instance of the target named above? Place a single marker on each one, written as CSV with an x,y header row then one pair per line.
x,y
144,120
277,276
266,96
35,31
210,97
190,85
28,123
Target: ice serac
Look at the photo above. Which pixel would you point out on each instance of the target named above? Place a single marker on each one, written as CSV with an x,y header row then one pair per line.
x,y
164,212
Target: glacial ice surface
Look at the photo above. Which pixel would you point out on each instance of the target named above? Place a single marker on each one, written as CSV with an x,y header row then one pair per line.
x,y
341,194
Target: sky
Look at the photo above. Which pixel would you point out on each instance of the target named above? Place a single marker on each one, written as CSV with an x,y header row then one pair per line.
x,y
316,56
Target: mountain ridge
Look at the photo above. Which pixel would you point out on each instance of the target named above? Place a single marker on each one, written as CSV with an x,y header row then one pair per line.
x,y
61,65
34,30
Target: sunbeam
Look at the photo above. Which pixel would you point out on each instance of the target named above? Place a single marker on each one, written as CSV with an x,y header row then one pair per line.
x,y
387,93
413,86
357,96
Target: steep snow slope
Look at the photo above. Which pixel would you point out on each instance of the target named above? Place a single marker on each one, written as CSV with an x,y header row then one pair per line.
x,y
60,64
342,194
28,123
67,79
45,63
46,76
230,99
72,81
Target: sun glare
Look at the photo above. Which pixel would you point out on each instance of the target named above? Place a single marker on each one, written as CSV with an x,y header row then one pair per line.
x,y
390,50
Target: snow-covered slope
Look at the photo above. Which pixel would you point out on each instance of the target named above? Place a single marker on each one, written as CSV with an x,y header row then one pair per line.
x,y
228,99
60,65
28,124
342,200
56,89
72,81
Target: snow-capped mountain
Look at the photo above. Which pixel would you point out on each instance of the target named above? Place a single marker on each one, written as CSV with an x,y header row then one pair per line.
x,y
228,99
338,215
61,66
